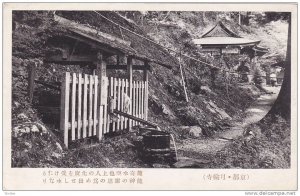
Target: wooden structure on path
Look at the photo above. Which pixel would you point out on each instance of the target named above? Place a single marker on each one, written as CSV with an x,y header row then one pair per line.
x,y
88,100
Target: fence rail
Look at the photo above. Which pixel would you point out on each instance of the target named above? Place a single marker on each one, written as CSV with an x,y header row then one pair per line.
x,y
86,109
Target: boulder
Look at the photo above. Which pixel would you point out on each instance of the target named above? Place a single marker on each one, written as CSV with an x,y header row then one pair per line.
x,y
192,132
34,129
212,107
56,155
16,104
22,116
19,130
206,89
195,132
28,145
157,165
167,111
42,128
185,162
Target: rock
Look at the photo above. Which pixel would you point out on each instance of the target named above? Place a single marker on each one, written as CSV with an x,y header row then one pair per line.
x,y
216,110
192,131
25,130
34,129
42,128
56,155
167,111
157,165
195,131
185,162
22,116
190,115
19,130
16,104
206,89
28,145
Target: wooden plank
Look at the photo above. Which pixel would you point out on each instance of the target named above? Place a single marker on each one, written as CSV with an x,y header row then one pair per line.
x,y
146,78
145,71
146,100
64,108
136,119
142,104
122,102
90,104
111,94
73,105
129,93
70,125
100,125
90,40
140,99
114,103
124,67
72,59
103,85
133,102
136,100
104,99
95,103
79,120
119,102
126,93
84,104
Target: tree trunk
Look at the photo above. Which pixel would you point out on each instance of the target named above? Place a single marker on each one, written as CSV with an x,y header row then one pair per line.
x,y
282,105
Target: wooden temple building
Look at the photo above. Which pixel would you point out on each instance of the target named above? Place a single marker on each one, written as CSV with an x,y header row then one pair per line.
x,y
219,41
88,100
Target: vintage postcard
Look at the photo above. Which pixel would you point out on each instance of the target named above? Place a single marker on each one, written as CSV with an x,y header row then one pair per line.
x,y
149,96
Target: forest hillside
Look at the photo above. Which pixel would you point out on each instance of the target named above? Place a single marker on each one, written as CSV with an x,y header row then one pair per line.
x,y
210,109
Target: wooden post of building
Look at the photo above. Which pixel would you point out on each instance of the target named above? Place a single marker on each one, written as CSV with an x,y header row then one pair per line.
x,y
31,77
118,60
129,76
146,79
102,100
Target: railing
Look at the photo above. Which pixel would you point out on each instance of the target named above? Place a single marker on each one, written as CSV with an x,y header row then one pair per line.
x,y
86,110
137,105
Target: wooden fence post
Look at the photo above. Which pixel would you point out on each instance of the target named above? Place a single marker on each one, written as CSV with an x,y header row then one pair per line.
x,y
146,78
102,84
73,105
129,75
64,107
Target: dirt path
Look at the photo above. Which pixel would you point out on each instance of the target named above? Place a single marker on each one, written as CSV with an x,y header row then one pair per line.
x,y
194,147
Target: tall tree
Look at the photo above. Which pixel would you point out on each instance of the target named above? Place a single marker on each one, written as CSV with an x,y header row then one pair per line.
x,y
282,105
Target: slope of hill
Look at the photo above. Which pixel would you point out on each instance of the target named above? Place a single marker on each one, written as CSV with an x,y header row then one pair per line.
x,y
209,108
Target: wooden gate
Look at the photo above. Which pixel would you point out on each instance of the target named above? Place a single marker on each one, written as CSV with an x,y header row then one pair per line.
x,y
87,105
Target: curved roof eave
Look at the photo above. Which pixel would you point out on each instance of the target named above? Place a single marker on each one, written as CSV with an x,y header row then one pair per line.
x,y
224,41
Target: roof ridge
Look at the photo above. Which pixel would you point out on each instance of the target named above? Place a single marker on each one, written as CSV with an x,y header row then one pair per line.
x,y
224,29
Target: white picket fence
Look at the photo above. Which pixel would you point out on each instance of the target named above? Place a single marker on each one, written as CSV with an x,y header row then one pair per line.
x,y
85,105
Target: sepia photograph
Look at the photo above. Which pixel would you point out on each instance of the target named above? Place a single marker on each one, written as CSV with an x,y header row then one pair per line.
x,y
136,89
